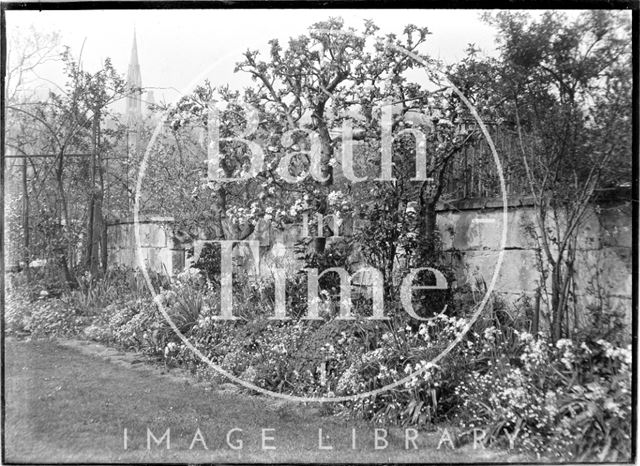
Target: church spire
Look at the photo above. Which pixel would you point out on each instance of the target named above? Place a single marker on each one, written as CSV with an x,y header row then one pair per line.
x,y
134,81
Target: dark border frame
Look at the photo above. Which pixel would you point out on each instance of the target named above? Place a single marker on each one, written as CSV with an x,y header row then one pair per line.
x,y
344,4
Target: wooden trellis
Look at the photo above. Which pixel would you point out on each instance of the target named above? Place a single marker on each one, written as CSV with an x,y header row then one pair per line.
x,y
474,173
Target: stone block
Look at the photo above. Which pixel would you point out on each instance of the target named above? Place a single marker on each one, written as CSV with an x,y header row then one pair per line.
x,y
165,259
144,256
605,271
113,257
620,305
482,229
589,231
519,234
517,274
133,257
145,235
178,261
472,230
616,228
113,236
157,235
154,261
127,239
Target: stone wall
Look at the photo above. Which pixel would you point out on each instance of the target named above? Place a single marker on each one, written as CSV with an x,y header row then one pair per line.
x,y
471,232
157,246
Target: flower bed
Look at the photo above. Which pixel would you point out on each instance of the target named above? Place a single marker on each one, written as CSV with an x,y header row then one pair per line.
x,y
571,399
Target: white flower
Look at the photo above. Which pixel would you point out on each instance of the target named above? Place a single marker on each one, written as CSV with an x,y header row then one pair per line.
x,y
564,343
334,197
584,346
610,405
445,122
489,333
525,337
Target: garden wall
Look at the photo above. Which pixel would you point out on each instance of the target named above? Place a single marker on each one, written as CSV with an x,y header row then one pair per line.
x,y
471,231
157,246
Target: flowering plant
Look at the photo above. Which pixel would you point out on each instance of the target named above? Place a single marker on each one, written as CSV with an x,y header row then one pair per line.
x,y
564,399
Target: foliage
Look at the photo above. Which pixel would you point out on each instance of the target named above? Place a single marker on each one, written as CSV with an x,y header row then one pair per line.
x,y
570,399
563,88
400,351
64,144
564,99
16,311
342,77
42,317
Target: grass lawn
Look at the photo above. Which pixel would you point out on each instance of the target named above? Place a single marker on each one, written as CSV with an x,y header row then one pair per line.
x,y
62,405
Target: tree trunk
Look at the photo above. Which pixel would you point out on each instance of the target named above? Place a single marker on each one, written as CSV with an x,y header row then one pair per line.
x,y
326,152
89,244
25,219
219,212
68,277
95,217
95,238
66,251
102,231
428,228
557,312
535,324
103,245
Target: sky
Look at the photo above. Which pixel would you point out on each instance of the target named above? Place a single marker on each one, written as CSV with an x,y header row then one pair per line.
x,y
177,49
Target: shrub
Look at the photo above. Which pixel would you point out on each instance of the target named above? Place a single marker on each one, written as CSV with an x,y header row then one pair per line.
x,y
401,350
54,317
41,316
596,414
139,324
571,399
133,326
567,400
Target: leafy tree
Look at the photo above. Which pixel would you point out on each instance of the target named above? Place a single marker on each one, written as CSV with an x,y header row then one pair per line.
x,y
331,77
92,94
564,87
64,134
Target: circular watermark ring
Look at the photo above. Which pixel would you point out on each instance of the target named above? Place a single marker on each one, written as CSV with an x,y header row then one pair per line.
x,y
324,399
